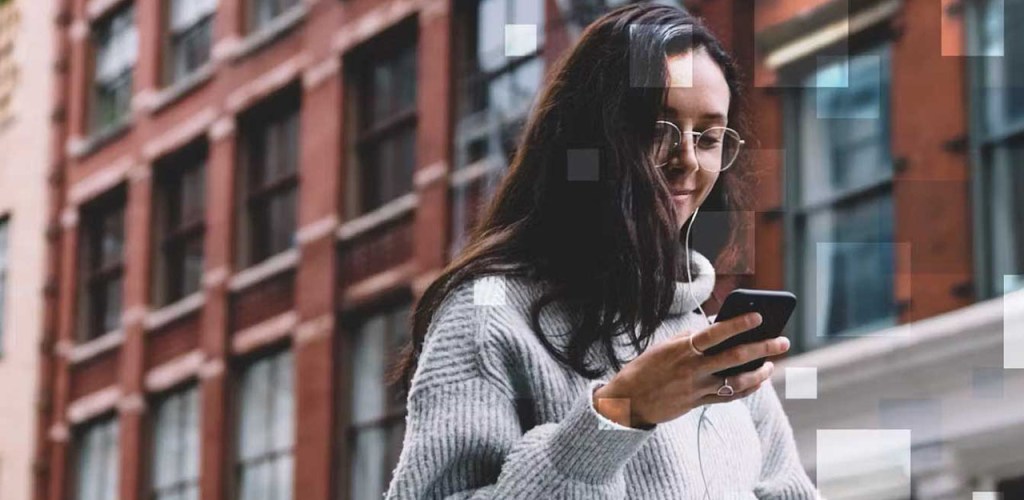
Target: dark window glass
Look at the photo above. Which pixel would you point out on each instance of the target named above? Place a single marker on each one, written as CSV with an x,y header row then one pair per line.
x,y
180,224
272,166
386,136
102,270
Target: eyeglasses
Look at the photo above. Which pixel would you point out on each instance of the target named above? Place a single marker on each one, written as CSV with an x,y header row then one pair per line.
x,y
716,148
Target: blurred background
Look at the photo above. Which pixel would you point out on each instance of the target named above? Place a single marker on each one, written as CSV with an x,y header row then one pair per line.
x,y
215,216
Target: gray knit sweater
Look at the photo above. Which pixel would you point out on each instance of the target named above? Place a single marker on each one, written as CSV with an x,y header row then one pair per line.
x,y
492,415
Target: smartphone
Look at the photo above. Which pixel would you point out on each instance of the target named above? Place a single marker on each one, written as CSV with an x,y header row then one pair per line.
x,y
775,307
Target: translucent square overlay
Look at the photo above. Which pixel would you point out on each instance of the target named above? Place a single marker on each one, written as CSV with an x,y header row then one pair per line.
x,y
643,66
827,257
1013,322
787,41
801,382
986,495
842,81
986,38
923,417
489,291
520,39
711,233
583,164
878,459
987,382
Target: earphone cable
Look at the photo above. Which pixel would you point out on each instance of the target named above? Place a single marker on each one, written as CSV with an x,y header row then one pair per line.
x,y
689,287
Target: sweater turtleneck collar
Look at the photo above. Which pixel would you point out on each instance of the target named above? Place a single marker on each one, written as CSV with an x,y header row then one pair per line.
x,y
700,289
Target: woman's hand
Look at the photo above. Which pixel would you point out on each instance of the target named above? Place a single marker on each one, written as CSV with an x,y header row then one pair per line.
x,y
672,378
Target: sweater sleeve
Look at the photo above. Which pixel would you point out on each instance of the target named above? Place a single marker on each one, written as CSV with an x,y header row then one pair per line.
x,y
782,475
464,438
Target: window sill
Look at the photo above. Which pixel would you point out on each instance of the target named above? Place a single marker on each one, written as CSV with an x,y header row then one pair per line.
x,y
174,311
100,138
388,212
274,30
272,266
182,88
92,348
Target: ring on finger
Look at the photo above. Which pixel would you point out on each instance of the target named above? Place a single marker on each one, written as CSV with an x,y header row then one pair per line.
x,y
726,390
697,351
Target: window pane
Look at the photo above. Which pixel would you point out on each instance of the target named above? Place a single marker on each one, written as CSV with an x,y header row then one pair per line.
x,y
111,305
176,450
255,407
116,50
844,129
368,390
281,221
368,455
97,462
284,404
267,432
851,266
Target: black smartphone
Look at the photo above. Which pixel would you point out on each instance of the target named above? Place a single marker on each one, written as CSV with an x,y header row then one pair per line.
x,y
775,307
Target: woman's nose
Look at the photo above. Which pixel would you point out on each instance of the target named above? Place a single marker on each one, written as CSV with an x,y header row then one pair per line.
x,y
687,158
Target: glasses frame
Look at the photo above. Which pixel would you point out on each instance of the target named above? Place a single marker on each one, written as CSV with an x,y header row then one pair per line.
x,y
696,139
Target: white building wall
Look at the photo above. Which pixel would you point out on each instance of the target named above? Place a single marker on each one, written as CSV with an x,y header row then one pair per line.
x,y
24,161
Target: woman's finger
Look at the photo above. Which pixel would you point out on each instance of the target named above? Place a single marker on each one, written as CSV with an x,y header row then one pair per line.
x,y
746,381
745,353
719,332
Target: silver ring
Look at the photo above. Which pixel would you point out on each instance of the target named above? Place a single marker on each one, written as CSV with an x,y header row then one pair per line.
x,y
698,351
726,390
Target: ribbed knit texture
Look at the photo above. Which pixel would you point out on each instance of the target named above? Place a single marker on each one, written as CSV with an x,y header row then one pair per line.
x,y
493,416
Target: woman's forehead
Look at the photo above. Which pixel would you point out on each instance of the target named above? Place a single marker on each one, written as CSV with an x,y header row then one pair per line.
x,y
697,87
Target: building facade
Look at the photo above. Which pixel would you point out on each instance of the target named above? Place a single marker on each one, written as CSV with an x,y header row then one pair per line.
x,y
25,75
249,195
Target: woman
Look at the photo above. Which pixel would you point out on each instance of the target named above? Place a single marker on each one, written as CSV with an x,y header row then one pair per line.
x,y
560,355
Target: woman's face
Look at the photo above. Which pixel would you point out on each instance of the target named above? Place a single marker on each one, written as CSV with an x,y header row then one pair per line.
x,y
698,98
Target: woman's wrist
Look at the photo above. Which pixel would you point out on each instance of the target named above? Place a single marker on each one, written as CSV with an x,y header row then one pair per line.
x,y
617,409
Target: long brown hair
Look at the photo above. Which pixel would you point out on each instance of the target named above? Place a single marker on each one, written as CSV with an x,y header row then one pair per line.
x,y
609,248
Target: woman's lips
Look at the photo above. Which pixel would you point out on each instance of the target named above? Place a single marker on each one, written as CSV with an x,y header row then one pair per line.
x,y
683,193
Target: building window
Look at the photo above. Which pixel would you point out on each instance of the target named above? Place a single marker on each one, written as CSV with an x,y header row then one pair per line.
x,y
115,47
175,457
998,137
495,93
385,132
270,156
378,411
96,461
101,253
179,224
189,36
4,267
263,12
841,196
267,429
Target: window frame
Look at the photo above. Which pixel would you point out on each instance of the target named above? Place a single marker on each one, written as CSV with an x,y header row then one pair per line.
x,y
396,311
989,153
110,424
483,125
365,132
96,125
238,464
798,211
252,22
181,484
94,274
256,191
173,38
170,236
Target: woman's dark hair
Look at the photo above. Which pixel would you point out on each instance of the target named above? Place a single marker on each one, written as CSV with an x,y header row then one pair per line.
x,y
608,248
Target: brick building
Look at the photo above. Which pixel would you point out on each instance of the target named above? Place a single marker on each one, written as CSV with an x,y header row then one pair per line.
x,y
248,194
